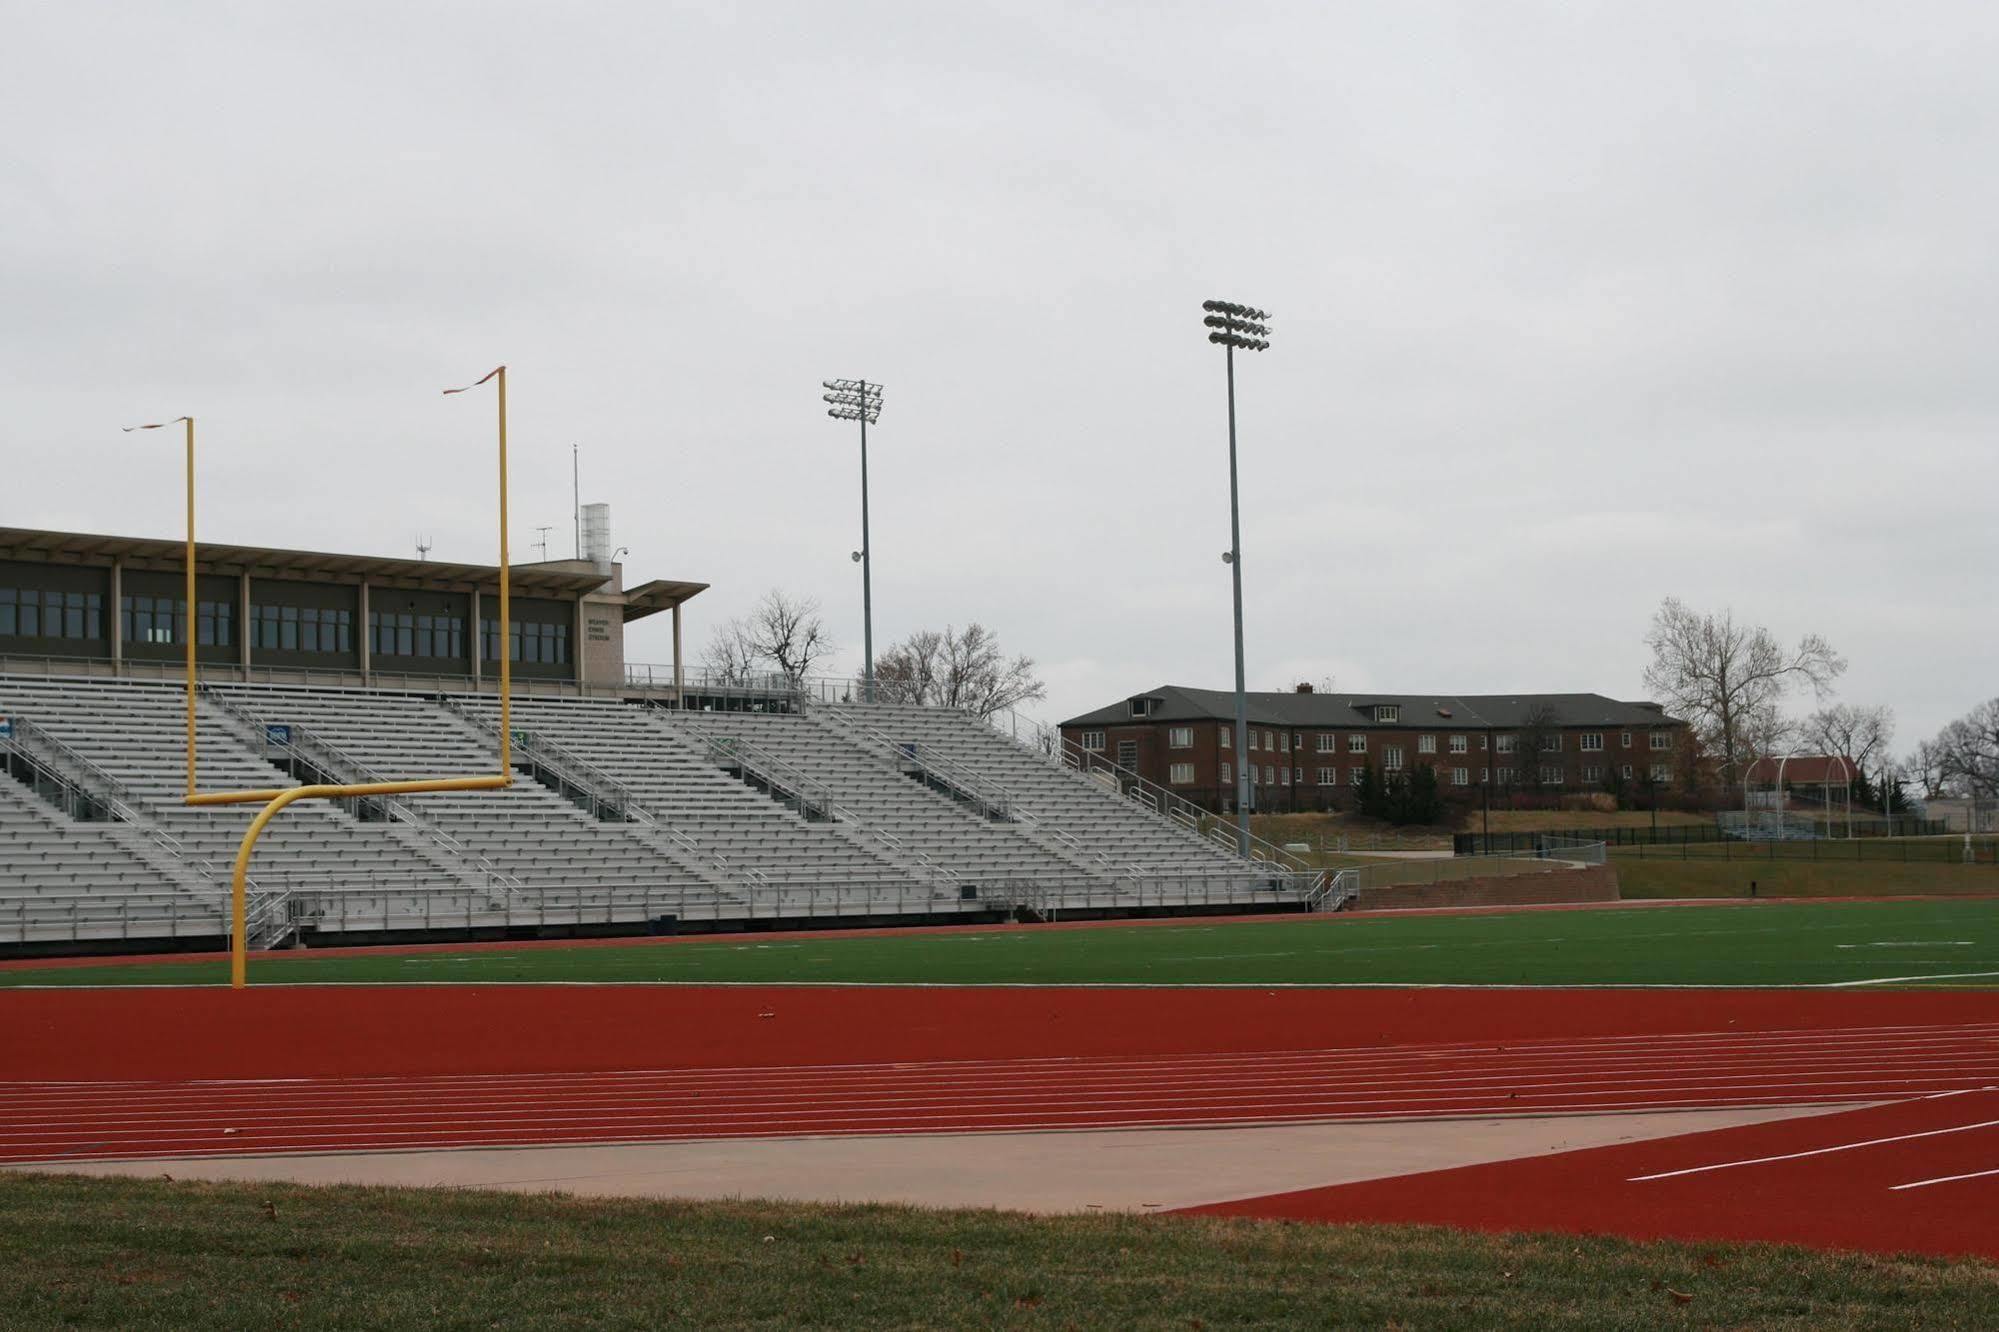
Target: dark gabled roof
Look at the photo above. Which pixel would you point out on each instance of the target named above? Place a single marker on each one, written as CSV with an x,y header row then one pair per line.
x,y
1353,711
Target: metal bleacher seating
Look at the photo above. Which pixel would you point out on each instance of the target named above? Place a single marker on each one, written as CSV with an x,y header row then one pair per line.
x,y
619,813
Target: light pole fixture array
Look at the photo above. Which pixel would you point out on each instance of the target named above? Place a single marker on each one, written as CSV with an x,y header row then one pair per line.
x,y
1246,328
858,400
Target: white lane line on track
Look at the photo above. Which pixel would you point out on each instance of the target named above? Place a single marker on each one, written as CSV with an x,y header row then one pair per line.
x,y
1947,1058
275,1144
1817,1151
1944,1179
912,1108
111,1109
1700,1043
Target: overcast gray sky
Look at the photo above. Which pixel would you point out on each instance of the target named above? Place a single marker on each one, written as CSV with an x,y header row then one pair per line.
x,y
1577,306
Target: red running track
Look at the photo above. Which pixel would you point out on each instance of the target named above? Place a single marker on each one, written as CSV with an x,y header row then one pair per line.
x,y
1916,1176
43,1121
173,1071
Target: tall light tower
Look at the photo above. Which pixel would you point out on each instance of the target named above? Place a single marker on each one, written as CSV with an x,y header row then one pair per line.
x,y
1246,327
858,400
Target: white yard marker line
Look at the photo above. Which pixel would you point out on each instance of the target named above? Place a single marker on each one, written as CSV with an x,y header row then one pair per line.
x,y
1816,1151
1943,1179
1904,980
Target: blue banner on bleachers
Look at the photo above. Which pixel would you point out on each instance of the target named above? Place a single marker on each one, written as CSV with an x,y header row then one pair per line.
x,y
6,728
278,734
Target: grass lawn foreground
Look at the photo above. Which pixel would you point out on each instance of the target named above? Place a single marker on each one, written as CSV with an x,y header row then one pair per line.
x,y
135,1253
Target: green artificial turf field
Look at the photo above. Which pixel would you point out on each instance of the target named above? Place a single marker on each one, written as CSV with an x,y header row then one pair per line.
x,y
1790,943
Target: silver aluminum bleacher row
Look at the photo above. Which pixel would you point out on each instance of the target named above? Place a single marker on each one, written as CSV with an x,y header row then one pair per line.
x,y
619,814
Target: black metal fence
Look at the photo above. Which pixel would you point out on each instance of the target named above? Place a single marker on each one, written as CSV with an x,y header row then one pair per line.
x,y
1679,835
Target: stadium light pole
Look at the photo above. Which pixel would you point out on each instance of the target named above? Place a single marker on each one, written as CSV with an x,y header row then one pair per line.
x,y
858,400
1234,326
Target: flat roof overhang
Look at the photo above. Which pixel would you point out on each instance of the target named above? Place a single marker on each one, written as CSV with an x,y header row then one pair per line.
x,y
36,546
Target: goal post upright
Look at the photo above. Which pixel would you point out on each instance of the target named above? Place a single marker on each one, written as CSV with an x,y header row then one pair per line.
x,y
274,800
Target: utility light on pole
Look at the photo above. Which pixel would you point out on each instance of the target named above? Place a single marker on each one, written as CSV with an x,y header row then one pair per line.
x,y
1236,326
858,400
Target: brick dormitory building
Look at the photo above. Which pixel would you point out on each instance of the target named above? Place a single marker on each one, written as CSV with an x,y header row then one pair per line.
x,y
1307,749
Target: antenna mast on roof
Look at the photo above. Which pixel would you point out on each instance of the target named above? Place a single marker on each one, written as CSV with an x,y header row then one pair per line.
x,y
544,529
423,547
576,495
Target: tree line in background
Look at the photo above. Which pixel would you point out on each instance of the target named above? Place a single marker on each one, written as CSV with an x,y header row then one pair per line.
x,y
783,638
1730,681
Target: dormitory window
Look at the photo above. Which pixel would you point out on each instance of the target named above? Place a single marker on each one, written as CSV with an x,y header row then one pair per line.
x,y
1551,776
407,634
1180,737
1181,774
1626,740
1592,774
1592,741
1255,741
1355,776
1093,741
1228,737
1227,774
27,613
1662,739
1356,744
1551,743
529,642
1458,745
1506,776
1324,742
1426,744
1391,758
1661,773
1505,744
1460,776
305,628
1269,775
1387,714
1625,772
1329,776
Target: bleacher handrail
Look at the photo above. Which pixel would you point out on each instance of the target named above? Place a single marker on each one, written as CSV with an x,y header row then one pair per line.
x,y
319,750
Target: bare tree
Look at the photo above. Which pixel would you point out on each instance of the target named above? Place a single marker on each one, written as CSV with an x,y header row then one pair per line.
x,y
1729,679
1968,752
1534,740
1925,767
781,633
728,658
1859,733
907,672
787,632
957,669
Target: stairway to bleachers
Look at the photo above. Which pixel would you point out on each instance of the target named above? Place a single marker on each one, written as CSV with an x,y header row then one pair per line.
x,y
976,848
61,879
1050,794
675,782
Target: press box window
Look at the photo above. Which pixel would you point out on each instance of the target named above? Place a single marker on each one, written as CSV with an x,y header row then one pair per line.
x,y
28,613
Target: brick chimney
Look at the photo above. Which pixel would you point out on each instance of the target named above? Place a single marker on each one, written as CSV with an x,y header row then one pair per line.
x,y
1304,687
